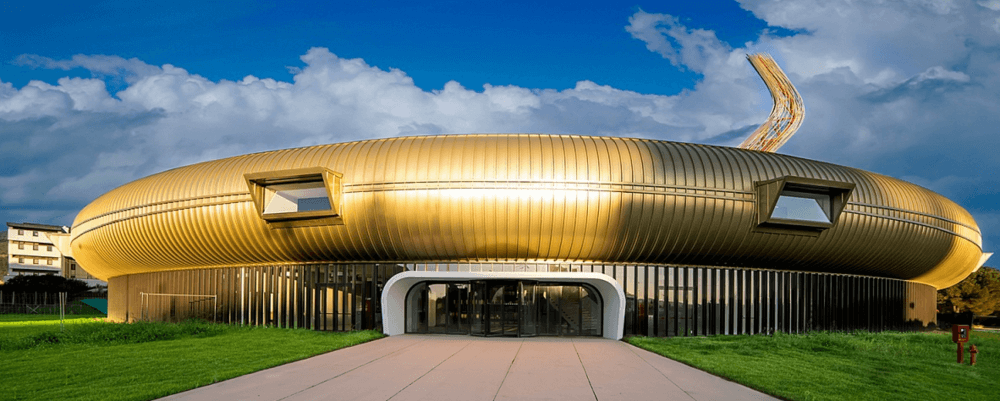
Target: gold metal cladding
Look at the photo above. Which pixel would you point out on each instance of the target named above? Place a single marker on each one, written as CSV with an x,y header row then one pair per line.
x,y
261,190
786,115
529,198
768,192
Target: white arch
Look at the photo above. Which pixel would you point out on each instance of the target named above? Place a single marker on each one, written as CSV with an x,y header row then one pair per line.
x,y
394,294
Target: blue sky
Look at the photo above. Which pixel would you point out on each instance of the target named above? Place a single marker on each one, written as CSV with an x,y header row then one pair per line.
x,y
96,95
523,43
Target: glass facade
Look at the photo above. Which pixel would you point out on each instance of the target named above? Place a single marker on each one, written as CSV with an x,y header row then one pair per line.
x,y
660,300
514,308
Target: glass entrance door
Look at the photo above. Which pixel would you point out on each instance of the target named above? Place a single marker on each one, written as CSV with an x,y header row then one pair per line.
x,y
515,308
477,306
504,309
529,310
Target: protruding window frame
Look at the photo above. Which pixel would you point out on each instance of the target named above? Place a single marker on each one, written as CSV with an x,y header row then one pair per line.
x,y
768,193
257,183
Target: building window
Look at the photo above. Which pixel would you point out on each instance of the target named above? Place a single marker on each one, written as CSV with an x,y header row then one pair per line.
x,y
802,206
299,197
20,232
20,260
72,266
34,233
20,245
48,262
34,261
49,248
34,247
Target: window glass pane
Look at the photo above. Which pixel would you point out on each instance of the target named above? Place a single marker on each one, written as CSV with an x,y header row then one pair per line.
x,y
437,300
416,311
458,308
591,312
310,204
802,206
529,310
298,197
478,315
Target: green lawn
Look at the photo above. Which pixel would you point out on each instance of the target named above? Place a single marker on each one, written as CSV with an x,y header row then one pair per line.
x,y
844,366
12,326
93,360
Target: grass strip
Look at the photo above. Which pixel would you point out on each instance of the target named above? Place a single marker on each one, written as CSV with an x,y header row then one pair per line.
x,y
115,361
11,329
101,333
14,319
843,366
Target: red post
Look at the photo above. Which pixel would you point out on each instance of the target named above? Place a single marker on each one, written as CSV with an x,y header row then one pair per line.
x,y
972,354
960,335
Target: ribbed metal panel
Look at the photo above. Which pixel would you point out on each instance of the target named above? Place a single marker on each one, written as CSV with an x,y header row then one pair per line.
x,y
526,197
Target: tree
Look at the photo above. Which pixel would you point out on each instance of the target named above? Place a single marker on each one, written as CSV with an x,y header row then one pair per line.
x,y
979,293
45,283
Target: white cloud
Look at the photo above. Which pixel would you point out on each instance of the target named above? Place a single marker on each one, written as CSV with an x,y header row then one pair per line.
x,y
990,4
683,46
131,69
940,73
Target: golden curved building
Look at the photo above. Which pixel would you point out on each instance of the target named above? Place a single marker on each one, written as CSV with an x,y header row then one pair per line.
x,y
699,239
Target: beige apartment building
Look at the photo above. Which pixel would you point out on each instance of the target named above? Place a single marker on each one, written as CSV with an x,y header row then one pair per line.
x,y
31,250
3,255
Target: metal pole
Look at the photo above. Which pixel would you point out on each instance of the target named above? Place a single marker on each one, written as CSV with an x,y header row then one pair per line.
x,y
62,310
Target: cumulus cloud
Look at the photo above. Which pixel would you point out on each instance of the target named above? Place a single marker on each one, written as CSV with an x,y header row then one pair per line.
x,y
683,46
903,88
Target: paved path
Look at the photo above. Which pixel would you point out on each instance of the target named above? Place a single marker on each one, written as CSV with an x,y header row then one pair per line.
x,y
423,367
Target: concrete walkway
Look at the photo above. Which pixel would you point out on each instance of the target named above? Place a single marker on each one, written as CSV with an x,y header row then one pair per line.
x,y
423,367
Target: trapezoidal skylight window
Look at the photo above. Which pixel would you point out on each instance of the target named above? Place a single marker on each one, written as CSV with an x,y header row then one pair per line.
x,y
297,197
803,206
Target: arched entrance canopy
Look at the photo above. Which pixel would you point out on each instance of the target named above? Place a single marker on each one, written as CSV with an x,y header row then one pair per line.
x,y
394,294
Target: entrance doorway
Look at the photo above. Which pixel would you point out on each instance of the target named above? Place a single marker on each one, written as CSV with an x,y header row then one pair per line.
x,y
511,308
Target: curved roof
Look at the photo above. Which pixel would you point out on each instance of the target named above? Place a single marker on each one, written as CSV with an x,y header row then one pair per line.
x,y
526,197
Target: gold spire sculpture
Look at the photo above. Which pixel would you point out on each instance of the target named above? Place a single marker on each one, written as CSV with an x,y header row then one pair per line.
x,y
787,114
